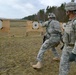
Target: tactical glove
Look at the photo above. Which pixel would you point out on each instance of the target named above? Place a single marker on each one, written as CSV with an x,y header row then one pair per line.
x,y
72,57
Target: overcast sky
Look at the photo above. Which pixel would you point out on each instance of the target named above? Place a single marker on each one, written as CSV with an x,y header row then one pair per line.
x,y
21,8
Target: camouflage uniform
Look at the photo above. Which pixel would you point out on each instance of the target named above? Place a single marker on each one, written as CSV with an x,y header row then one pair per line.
x,y
68,48
69,39
52,27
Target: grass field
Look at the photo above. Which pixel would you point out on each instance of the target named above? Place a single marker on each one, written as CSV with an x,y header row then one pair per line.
x,y
17,53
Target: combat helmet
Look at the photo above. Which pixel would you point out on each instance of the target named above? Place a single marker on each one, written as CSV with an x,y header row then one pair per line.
x,y
51,15
71,6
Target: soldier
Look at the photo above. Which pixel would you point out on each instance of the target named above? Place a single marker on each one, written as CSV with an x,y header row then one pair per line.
x,y
69,39
45,37
53,31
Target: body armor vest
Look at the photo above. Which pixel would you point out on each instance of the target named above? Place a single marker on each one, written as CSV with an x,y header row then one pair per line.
x,y
69,33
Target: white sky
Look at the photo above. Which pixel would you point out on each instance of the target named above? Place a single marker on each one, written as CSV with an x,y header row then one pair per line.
x,y
21,8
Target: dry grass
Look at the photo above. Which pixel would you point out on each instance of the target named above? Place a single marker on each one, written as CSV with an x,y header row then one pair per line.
x,y
16,54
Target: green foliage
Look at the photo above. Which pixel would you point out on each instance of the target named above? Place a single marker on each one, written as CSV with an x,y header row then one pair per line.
x,y
42,15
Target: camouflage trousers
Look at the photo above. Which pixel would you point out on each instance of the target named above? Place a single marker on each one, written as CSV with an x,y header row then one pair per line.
x,y
64,62
49,43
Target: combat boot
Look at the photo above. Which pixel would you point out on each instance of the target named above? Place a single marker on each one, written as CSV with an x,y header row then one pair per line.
x,y
37,66
56,59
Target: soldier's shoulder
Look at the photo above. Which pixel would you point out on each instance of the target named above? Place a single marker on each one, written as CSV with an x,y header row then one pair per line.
x,y
55,22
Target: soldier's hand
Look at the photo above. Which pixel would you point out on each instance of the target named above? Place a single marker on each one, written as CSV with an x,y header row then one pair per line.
x,y
72,57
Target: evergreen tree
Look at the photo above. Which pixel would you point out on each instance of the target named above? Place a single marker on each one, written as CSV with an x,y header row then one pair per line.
x,y
42,15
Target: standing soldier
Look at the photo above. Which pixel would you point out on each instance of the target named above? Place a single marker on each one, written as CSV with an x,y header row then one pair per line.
x,y
69,39
51,16
53,31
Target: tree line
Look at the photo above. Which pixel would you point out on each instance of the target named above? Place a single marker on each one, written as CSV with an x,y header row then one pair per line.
x,y
43,13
